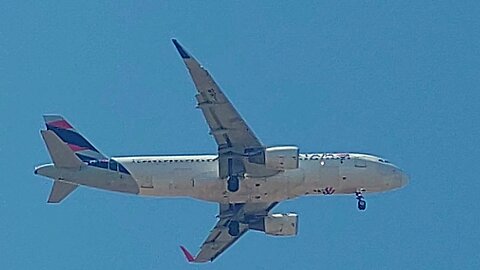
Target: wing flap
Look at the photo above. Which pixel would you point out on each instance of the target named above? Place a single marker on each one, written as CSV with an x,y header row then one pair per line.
x,y
219,238
216,243
218,111
211,250
230,131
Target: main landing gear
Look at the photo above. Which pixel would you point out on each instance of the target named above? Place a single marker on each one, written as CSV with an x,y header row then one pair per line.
x,y
233,183
234,228
362,204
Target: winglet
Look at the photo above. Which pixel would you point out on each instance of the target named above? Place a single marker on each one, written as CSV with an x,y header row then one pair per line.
x,y
187,254
183,53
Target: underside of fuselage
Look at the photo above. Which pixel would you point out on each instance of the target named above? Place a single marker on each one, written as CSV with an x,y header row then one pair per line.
x,y
196,176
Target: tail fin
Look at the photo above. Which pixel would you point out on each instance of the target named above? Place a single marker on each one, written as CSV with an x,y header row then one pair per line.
x,y
62,156
82,148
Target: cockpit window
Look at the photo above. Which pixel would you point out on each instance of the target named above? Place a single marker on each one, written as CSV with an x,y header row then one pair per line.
x,y
122,169
113,165
109,164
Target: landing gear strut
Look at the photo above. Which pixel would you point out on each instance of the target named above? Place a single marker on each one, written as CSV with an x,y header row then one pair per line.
x,y
362,204
233,183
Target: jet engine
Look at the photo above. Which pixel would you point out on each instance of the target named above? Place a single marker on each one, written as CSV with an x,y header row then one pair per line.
x,y
281,224
281,157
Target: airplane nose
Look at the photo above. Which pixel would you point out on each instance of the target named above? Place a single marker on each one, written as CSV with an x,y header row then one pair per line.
x,y
404,179
401,179
398,179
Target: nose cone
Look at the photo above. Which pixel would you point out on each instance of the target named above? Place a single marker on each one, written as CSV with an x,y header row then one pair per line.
x,y
400,179
404,179
394,177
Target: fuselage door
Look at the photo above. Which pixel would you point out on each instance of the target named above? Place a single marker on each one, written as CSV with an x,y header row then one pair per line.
x,y
147,182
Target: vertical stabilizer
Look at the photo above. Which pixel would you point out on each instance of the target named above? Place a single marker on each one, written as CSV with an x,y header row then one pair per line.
x,y
62,156
82,148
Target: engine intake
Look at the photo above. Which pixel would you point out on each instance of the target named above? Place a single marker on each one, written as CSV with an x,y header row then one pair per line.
x,y
281,157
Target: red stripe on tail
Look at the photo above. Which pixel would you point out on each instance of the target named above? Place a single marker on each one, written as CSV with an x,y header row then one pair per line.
x,y
60,124
76,148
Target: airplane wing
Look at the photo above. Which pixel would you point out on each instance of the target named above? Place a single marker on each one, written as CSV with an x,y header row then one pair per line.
x,y
232,134
223,235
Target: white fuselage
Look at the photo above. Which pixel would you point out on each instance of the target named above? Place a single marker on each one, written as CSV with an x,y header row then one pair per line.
x,y
196,176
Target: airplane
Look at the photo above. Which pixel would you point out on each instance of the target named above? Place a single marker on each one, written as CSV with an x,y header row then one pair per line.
x,y
245,177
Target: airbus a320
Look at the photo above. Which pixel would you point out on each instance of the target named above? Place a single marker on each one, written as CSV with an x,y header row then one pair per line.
x,y
245,177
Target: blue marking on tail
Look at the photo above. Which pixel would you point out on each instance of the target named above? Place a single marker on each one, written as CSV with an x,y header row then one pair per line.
x,y
72,137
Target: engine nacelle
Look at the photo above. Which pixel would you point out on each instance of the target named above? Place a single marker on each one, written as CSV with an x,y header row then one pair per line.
x,y
281,157
281,224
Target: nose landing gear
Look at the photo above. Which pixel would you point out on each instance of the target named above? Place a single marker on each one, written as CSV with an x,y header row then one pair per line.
x,y
362,204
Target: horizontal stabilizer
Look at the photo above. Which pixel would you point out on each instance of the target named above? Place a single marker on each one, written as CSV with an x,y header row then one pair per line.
x,y
62,156
60,190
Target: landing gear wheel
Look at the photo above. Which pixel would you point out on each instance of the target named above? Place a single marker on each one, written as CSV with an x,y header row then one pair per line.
x,y
234,228
233,183
362,205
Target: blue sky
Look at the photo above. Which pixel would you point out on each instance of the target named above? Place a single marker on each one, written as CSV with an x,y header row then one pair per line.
x,y
398,79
